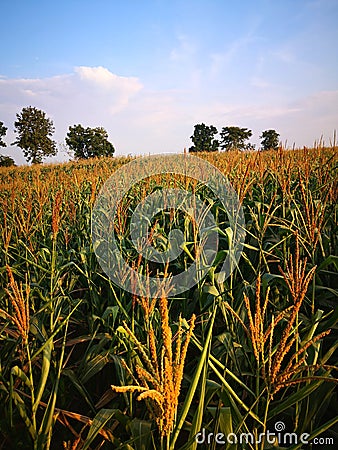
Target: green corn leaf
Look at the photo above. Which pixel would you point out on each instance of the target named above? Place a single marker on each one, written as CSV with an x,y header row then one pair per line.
x,y
198,417
99,421
17,372
46,359
94,366
20,404
141,432
194,383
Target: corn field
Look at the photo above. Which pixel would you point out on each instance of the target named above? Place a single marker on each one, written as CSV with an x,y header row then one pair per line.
x,y
84,364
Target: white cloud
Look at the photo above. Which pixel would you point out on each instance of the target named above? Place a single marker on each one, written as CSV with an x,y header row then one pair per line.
x,y
95,86
102,78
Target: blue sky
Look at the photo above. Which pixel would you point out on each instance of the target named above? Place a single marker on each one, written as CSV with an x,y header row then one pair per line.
x,y
149,70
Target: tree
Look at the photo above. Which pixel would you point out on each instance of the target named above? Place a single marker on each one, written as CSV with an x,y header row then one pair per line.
x,y
3,131
89,142
34,134
6,161
270,140
203,139
234,138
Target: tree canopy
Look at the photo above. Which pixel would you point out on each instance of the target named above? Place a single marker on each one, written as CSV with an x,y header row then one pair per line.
x,y
6,161
3,131
89,142
34,134
270,140
203,139
234,138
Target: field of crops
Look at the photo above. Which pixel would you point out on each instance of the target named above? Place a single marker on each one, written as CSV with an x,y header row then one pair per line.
x,y
86,364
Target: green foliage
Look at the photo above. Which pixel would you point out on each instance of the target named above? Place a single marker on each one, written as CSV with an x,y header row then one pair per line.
x,y
270,140
34,134
234,138
203,139
89,142
3,131
6,161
